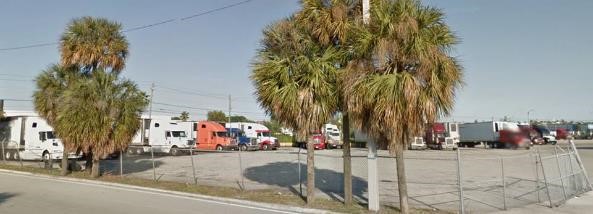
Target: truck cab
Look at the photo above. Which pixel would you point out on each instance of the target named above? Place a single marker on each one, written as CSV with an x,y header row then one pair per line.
x,y
213,136
258,131
244,143
161,135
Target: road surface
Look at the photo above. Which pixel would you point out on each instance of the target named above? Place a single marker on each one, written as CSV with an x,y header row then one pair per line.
x,y
29,194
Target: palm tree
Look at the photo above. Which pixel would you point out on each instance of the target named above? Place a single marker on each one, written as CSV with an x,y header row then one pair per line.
x,y
403,76
90,43
50,86
330,23
184,116
103,114
294,78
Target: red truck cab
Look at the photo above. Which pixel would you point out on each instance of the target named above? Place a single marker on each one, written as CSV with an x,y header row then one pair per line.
x,y
213,136
561,134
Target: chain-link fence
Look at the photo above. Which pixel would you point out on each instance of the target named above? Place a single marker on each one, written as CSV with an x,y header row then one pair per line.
x,y
482,179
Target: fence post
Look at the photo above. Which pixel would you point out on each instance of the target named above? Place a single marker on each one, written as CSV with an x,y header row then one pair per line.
x,y
3,153
299,169
504,185
241,171
460,182
121,163
18,152
537,187
193,167
560,172
153,165
541,163
580,162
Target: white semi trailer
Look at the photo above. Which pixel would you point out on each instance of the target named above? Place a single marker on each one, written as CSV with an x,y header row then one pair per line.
x,y
162,135
495,134
27,136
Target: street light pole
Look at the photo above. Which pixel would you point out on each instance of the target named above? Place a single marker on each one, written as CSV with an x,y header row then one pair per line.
x,y
528,112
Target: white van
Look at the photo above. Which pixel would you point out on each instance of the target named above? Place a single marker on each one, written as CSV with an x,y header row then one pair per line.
x,y
28,136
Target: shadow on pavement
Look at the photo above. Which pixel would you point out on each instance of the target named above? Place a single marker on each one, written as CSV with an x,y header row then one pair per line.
x,y
285,174
4,196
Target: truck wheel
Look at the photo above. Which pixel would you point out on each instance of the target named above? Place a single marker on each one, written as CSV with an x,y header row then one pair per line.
x,y
219,148
265,147
243,147
174,151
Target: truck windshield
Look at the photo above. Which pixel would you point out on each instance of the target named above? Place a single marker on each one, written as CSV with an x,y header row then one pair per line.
x,y
335,134
50,135
265,134
179,134
221,134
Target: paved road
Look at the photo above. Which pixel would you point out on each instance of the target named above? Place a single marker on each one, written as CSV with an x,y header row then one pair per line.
x,y
28,194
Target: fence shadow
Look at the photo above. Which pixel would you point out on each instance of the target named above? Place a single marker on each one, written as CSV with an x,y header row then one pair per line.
x,y
285,174
4,196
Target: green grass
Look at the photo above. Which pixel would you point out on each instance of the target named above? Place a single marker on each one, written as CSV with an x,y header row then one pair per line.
x,y
266,196
283,138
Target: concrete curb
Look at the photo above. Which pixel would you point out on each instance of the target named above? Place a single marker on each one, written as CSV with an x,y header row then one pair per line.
x,y
278,207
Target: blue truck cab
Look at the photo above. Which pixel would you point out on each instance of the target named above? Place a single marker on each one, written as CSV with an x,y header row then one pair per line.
x,y
245,143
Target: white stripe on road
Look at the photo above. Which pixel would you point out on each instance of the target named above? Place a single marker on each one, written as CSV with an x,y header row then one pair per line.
x,y
152,192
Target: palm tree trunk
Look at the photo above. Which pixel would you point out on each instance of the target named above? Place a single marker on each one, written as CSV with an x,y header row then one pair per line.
x,y
89,162
65,169
95,169
402,184
310,171
347,159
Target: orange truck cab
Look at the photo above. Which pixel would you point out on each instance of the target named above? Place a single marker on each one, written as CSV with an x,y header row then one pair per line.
x,y
213,136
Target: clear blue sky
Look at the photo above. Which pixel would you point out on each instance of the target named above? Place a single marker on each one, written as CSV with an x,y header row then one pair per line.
x,y
518,55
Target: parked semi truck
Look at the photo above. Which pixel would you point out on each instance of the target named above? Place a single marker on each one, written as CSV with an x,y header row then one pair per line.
x,y
258,131
333,137
442,135
162,135
27,136
495,134
213,136
244,143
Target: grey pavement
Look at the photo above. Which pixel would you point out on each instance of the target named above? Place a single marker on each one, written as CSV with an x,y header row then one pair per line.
x,y
582,204
31,194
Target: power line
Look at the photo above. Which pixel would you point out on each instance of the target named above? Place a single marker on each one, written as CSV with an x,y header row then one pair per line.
x,y
215,10
191,92
18,80
140,27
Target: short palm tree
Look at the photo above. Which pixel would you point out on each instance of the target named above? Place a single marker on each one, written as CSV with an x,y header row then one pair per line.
x,y
403,75
294,79
184,116
51,84
102,114
90,43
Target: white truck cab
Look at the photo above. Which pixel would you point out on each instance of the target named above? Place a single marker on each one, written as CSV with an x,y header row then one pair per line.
x,y
27,136
162,135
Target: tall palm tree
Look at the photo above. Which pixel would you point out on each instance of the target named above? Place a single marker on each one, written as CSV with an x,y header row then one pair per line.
x,y
90,43
403,76
294,79
330,23
51,84
102,114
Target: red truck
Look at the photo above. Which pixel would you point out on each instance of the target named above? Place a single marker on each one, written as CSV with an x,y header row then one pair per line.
x,y
213,136
442,136
561,134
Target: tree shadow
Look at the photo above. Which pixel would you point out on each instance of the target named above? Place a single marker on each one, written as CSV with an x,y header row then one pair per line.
x,y
4,196
286,175
131,164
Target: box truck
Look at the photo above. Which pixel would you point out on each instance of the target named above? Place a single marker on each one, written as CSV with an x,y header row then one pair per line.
x,y
27,136
162,135
333,137
495,134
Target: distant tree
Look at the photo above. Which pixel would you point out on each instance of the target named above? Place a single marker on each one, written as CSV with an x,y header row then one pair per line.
x,y
184,116
240,118
218,116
